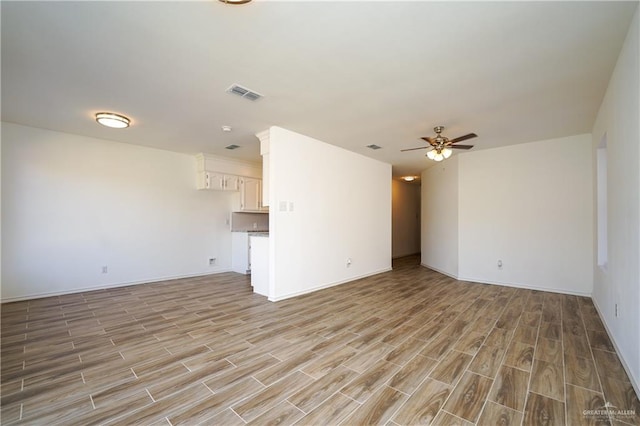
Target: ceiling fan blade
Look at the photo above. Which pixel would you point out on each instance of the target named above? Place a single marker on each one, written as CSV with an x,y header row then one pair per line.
x,y
413,149
428,139
463,138
461,146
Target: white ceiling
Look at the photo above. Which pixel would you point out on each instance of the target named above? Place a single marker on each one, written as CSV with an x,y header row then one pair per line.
x,y
347,73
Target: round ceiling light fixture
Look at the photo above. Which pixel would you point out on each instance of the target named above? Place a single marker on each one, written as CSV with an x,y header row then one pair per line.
x,y
111,119
235,1
409,178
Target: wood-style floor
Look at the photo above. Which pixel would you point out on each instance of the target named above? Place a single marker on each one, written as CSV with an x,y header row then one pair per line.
x,y
405,347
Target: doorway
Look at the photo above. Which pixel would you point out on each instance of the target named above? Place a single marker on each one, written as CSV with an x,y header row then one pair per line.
x,y
405,218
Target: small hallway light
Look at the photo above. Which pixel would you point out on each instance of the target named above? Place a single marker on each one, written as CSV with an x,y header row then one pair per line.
x,y
111,119
409,178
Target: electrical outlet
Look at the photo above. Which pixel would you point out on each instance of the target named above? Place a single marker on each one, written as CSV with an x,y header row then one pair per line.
x,y
212,261
499,264
348,262
255,225
105,269
617,311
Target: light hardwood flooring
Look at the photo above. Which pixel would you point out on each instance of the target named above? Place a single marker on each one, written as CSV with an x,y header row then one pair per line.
x,y
405,347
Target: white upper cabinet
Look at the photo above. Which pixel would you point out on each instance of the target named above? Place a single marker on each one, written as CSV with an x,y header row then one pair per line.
x,y
223,174
218,181
231,183
250,194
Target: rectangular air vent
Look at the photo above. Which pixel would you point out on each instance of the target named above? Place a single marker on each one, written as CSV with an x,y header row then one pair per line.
x,y
243,92
232,146
373,146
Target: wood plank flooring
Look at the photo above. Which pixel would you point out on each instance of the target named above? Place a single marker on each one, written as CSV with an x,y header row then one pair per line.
x,y
407,347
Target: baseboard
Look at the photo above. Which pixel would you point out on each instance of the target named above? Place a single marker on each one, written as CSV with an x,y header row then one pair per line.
x,y
440,271
107,286
527,287
623,361
324,286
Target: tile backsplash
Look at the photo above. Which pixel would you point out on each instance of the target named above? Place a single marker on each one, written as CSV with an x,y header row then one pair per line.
x,y
241,221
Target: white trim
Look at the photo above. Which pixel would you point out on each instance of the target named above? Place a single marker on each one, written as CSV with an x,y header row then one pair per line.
x,y
440,271
505,284
527,287
632,379
328,285
264,138
229,166
104,287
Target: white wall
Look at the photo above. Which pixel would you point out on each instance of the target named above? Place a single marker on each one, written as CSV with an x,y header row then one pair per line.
x,y
531,206
1,125
531,212
620,283
338,206
72,204
405,201
439,223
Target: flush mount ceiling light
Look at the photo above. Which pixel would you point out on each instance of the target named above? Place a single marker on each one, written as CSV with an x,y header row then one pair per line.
x,y
409,178
235,1
110,119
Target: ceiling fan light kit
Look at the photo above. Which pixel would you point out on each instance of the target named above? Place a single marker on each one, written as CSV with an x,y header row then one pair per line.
x,y
439,154
441,145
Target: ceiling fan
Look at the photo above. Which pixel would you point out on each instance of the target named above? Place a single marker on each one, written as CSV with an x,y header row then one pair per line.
x,y
442,145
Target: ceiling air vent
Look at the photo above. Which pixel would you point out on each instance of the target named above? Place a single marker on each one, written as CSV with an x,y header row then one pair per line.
x,y
243,92
232,146
374,146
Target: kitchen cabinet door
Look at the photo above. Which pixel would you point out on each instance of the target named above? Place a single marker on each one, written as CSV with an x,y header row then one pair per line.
x,y
217,181
240,249
250,194
231,183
